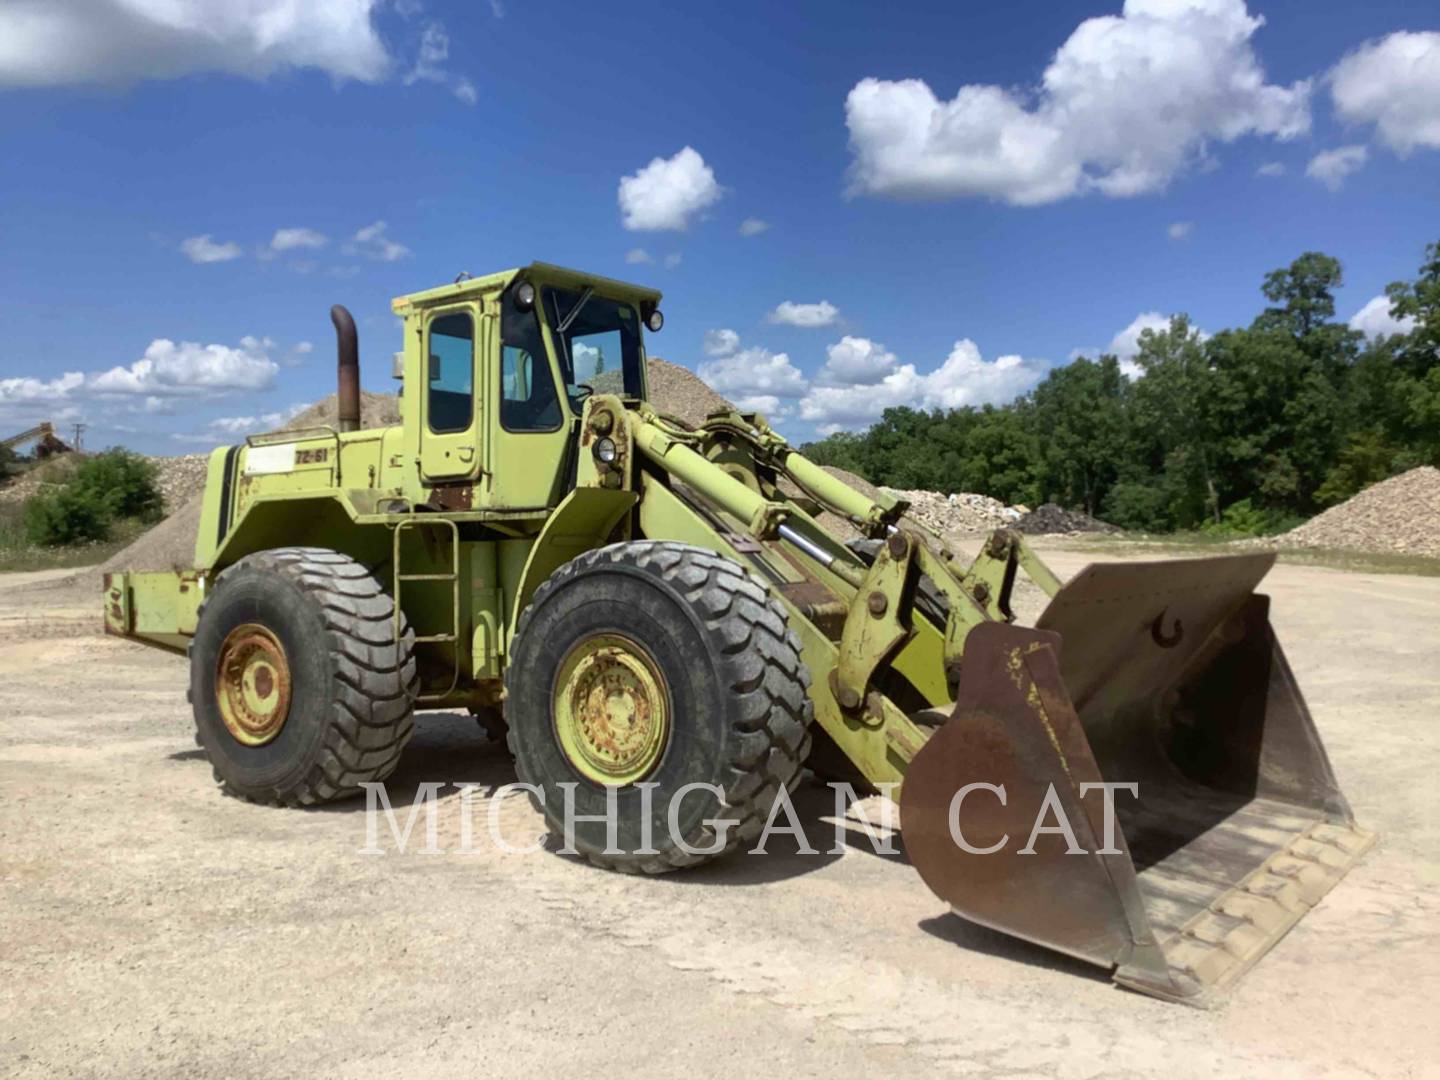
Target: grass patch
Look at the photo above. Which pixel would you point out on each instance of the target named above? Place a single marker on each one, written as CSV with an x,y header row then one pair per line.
x,y
18,555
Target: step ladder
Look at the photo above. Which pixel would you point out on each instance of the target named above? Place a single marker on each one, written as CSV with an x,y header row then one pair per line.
x,y
453,637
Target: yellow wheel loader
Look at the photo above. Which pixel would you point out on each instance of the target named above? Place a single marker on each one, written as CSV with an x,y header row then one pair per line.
x,y
651,615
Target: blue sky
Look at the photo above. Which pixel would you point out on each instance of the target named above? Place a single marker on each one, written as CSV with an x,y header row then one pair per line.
x,y
975,191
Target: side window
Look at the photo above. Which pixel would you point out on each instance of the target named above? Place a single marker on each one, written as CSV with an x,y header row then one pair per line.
x,y
528,401
451,403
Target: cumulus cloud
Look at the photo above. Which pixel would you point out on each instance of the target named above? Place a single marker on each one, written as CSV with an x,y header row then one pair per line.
x,y
1271,169
720,342
1180,230
754,378
789,313
205,249
1126,103
373,243
1375,321
1393,83
637,256
964,378
167,373
297,238
752,226
430,65
169,369
1125,345
666,194
856,360
56,42
1332,167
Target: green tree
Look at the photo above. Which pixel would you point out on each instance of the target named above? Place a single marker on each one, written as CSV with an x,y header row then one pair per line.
x,y
1304,293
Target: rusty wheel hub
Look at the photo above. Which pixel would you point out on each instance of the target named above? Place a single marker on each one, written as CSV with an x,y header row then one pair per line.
x,y
612,713
252,684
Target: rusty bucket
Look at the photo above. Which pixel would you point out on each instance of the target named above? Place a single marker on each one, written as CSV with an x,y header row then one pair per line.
x,y
1166,676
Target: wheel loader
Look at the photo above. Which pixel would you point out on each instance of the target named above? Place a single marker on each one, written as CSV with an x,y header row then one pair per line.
x,y
656,619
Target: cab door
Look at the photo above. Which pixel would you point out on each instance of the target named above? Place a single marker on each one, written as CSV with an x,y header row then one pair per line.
x,y
450,407
531,426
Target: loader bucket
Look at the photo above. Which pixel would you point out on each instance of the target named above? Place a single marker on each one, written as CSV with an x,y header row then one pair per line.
x,y
1165,675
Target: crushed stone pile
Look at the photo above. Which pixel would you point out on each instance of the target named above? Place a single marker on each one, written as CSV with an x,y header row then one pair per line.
x,y
961,512
678,391
180,478
170,545
376,410
1050,518
1399,516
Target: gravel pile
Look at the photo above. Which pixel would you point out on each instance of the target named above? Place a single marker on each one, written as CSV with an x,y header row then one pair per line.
x,y
1396,516
961,512
376,410
679,392
1049,518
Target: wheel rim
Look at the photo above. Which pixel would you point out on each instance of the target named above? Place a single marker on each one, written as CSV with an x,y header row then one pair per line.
x,y
252,684
612,710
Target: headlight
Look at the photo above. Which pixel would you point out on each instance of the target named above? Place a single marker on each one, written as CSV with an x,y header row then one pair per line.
x,y
655,320
605,451
524,296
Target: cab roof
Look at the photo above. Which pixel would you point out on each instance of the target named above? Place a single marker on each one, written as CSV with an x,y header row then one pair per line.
x,y
544,273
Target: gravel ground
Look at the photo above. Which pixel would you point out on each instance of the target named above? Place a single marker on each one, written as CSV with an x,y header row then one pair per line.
x,y
1400,515
153,927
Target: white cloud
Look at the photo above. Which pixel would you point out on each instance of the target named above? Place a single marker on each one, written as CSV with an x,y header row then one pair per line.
x,y
637,256
853,360
1271,168
55,42
1125,104
965,378
430,65
169,369
673,260
1180,230
1374,319
1125,345
26,390
752,226
1393,83
789,313
668,192
372,241
293,239
720,342
1331,167
204,249
749,375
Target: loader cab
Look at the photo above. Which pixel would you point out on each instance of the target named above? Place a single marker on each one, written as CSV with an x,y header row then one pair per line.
x,y
497,371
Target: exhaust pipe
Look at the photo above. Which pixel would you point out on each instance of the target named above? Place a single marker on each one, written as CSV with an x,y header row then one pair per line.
x,y
347,349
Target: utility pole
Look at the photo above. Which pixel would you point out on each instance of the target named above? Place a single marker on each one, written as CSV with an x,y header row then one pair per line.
x,y
79,436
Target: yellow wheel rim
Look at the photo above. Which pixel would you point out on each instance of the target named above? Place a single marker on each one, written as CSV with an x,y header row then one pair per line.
x,y
611,709
252,684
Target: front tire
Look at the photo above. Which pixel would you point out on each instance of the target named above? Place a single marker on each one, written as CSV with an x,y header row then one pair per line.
x,y
299,690
654,663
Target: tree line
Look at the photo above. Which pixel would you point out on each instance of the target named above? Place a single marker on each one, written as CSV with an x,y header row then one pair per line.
x,y
1248,430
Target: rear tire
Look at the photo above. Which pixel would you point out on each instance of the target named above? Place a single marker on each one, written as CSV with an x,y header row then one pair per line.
x,y
701,636
299,692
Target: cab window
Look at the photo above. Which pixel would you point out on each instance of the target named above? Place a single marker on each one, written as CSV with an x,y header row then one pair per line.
x,y
451,403
528,401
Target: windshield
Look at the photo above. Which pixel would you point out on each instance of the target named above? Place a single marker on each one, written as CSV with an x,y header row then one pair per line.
x,y
600,347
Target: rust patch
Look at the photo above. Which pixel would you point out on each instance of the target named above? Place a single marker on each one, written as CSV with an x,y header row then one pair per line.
x,y
452,496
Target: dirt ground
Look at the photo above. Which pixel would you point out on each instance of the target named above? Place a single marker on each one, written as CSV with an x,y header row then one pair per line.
x,y
150,926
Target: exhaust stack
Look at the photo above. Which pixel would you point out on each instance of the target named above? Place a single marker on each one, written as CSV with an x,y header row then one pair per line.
x,y
347,349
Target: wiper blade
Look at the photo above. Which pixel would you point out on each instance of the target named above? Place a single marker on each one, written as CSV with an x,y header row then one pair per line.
x,y
574,311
